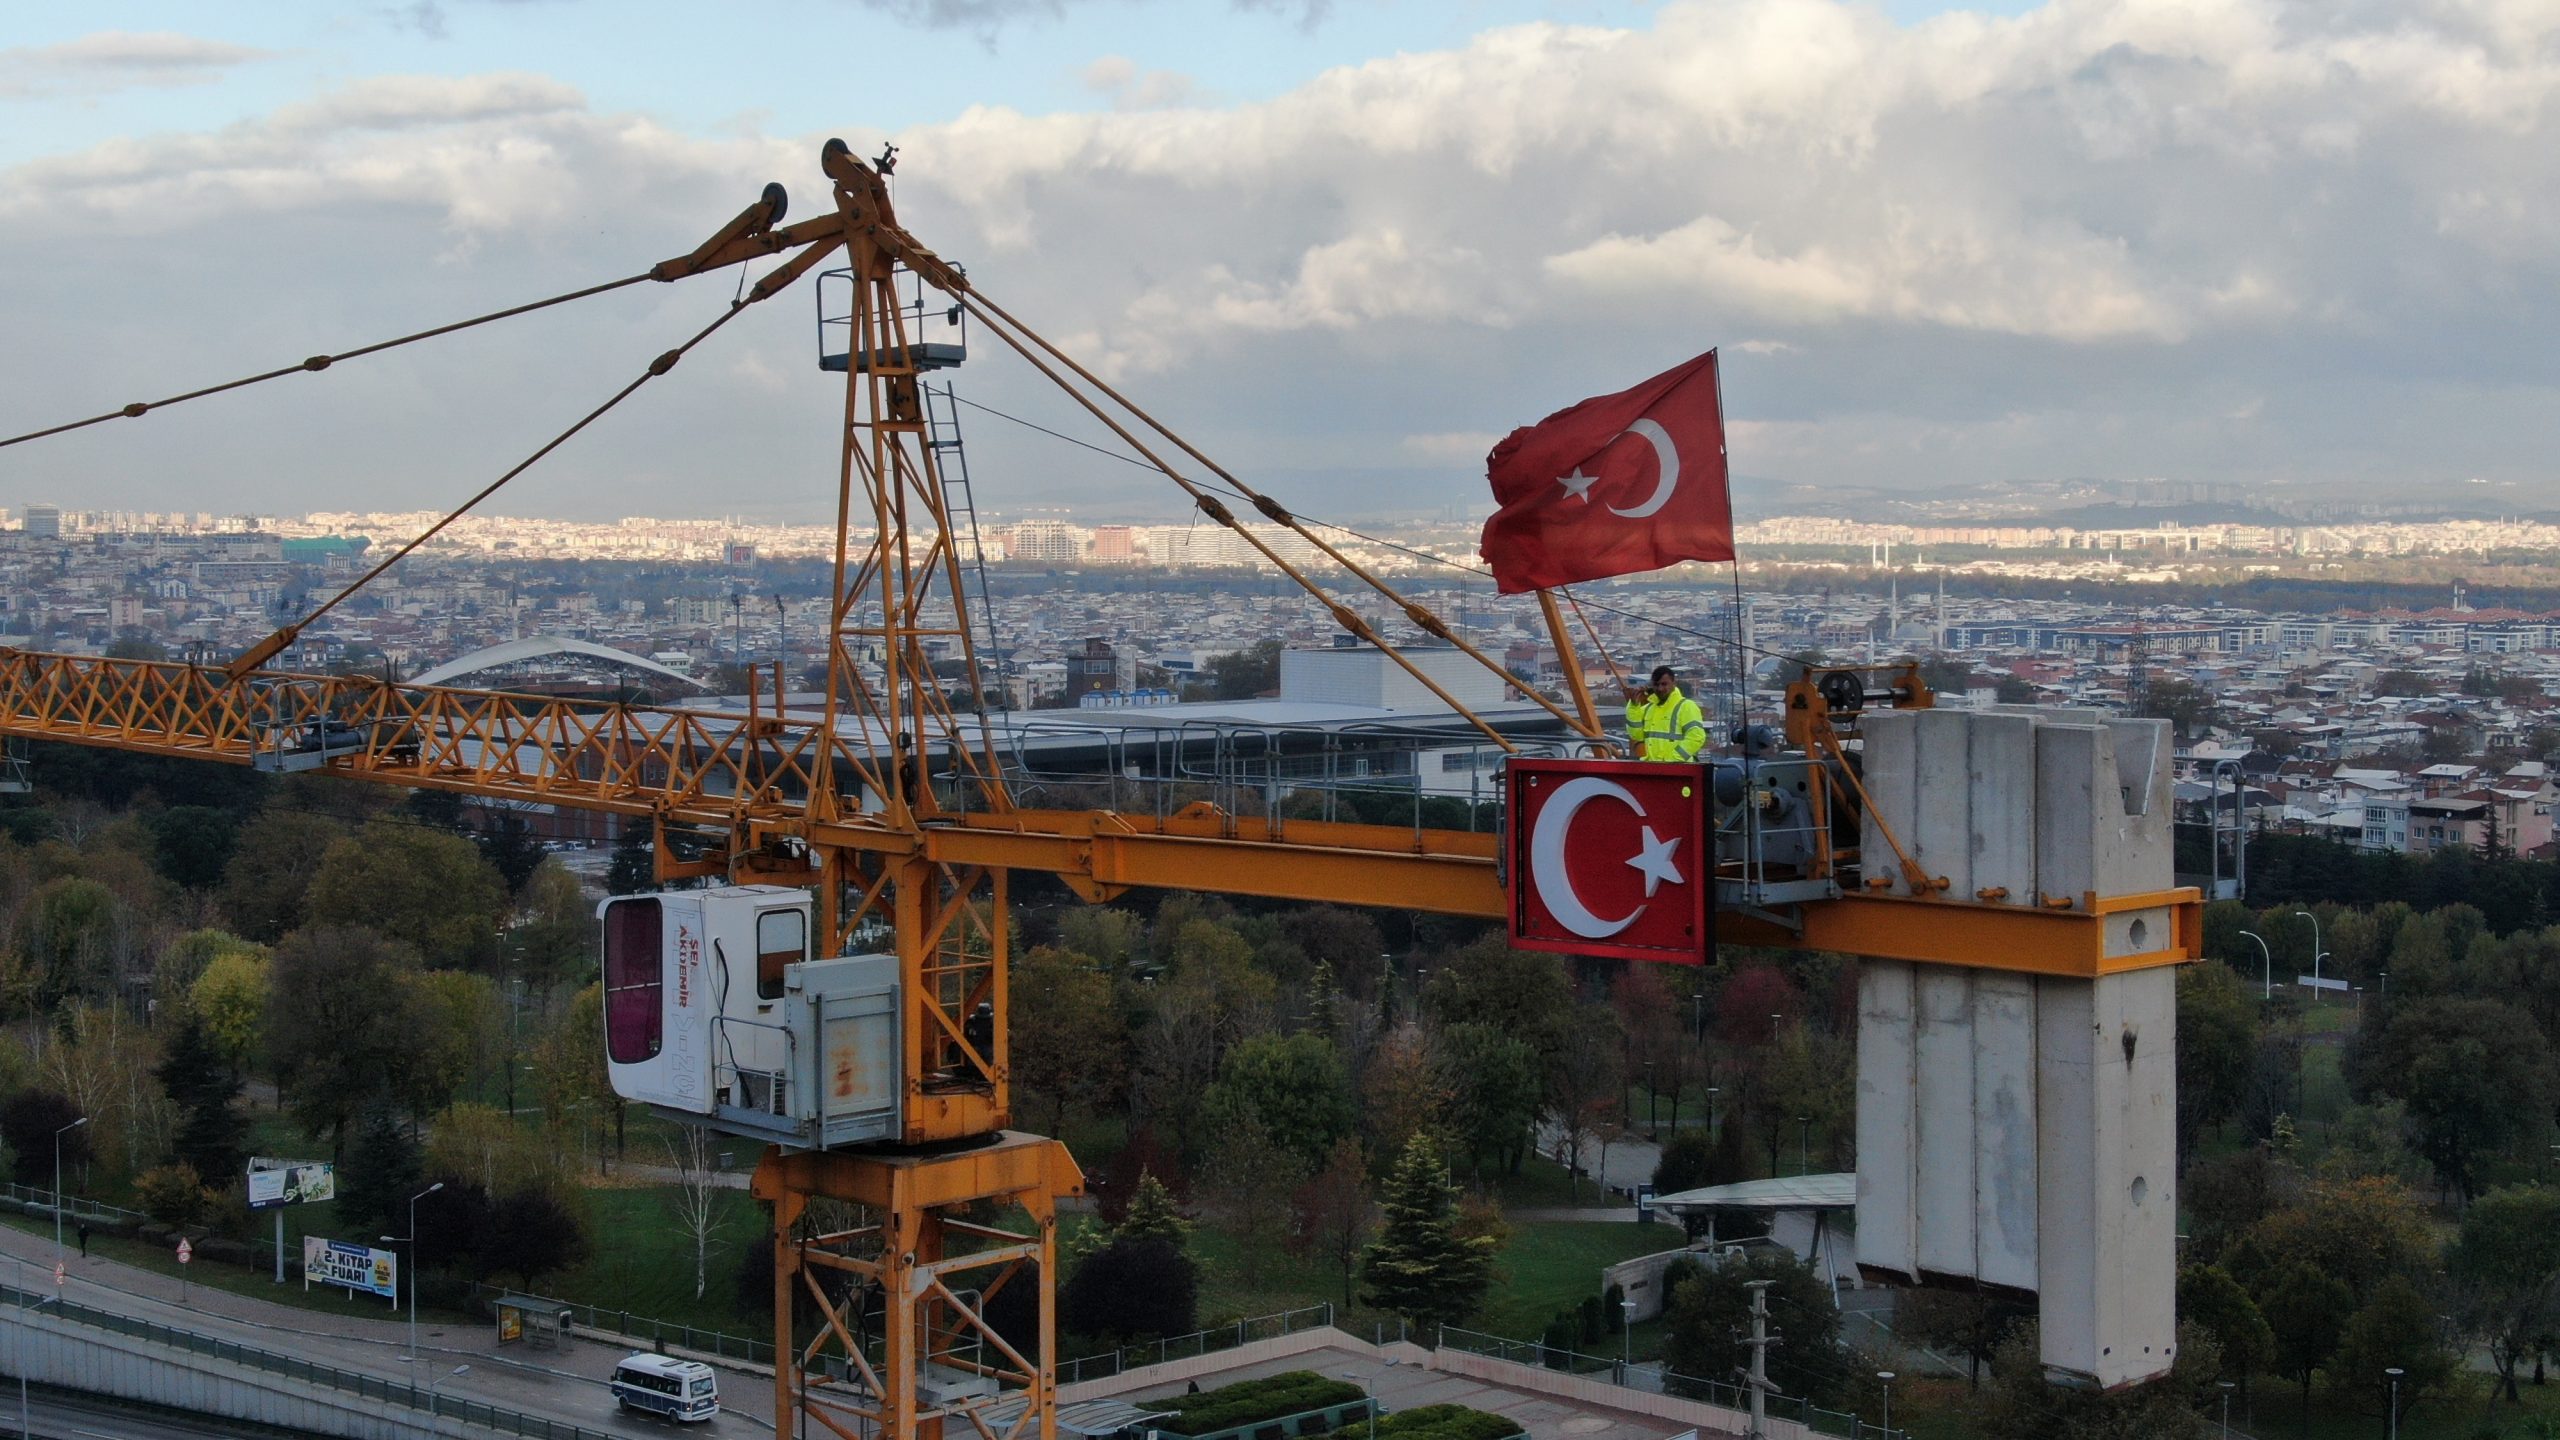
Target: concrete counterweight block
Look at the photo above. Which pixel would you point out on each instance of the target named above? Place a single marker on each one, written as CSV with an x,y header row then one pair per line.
x,y
2016,1129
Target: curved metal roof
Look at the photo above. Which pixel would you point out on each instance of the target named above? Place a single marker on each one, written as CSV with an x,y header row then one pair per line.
x,y
537,647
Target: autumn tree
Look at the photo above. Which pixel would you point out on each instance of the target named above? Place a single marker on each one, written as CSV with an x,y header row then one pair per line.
x,y
1585,1082
1335,1212
1246,1184
695,1200
380,1174
1422,1266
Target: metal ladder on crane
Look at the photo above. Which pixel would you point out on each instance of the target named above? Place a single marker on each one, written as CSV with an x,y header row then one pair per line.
x,y
951,462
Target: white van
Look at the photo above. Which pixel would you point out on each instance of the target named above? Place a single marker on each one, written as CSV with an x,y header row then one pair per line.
x,y
657,1385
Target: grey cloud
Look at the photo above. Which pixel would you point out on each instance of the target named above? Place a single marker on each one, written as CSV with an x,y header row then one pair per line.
x,y
2299,244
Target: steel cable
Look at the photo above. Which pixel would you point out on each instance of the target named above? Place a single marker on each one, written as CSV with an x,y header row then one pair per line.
x,y
317,363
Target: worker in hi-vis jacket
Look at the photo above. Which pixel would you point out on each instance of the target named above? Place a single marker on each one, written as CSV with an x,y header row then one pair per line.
x,y
1662,723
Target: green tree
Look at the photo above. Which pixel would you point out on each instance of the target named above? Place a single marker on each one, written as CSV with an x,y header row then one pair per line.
x,y
1422,1266
380,1174
210,1129
75,928
553,940
1152,1215
532,1233
269,873
1131,1288
2476,1074
2396,1329
1293,1086
2217,1049
2021,1404
432,890
2014,690
635,862
1246,1185
1247,673
1494,1084
2359,1232
342,1026
2211,1300
1710,1321
461,1036
1069,1048
508,844
2505,1269
1520,993
2306,1312
191,844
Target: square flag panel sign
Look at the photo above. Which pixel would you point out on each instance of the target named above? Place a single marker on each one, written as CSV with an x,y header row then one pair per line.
x,y
1610,857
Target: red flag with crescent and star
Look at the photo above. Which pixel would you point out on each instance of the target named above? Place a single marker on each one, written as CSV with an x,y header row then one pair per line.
x,y
1615,485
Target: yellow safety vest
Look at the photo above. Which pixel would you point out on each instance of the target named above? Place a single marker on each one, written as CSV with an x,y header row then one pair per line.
x,y
1666,729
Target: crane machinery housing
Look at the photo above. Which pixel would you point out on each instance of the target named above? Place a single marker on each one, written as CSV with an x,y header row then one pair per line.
x,y
2004,874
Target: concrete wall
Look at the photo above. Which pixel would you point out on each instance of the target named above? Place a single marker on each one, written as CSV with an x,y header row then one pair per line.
x,y
2015,1129
75,1357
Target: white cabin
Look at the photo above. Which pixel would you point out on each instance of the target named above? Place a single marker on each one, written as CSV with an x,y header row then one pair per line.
x,y
715,1013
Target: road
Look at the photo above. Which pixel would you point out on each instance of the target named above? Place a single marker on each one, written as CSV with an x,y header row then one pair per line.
x,y
53,1416
567,1384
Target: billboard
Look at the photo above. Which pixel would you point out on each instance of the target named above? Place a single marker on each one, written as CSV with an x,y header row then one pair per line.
x,y
288,1182
356,1267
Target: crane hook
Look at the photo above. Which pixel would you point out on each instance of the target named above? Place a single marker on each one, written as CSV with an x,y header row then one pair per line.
x,y
887,164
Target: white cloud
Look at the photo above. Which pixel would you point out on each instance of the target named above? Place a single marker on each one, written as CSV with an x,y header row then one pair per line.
x,y
2273,240
110,60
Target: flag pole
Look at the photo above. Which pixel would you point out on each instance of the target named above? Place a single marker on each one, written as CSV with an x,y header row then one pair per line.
x,y
1572,664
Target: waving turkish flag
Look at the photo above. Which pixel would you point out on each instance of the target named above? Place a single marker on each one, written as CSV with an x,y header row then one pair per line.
x,y
1615,485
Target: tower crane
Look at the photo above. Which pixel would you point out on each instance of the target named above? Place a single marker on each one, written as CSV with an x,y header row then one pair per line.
x,y
882,1079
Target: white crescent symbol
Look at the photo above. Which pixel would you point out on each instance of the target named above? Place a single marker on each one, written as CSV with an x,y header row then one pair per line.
x,y
1669,456
1546,853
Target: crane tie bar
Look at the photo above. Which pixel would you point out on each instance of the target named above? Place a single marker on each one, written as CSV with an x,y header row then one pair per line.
x,y
317,363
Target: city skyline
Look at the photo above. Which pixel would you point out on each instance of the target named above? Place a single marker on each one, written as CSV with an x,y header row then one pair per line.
x,y
2291,247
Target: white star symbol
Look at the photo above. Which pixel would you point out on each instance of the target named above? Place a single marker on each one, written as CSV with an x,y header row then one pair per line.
x,y
1655,861
1578,485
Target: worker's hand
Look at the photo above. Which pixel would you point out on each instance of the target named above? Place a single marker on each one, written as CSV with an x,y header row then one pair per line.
x,y
1635,696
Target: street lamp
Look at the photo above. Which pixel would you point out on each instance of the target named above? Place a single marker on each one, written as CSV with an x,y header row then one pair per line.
x,y
458,1372
1885,1378
2317,954
1713,1133
412,1239
2395,1372
57,1185
1626,1337
1804,1144
1354,1377
2225,1387
2266,957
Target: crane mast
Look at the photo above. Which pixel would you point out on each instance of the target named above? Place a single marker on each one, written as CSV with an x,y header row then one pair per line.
x,y
891,807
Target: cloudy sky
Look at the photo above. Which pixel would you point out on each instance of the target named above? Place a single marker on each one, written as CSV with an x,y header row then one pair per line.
x,y
1344,244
